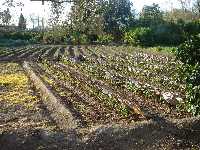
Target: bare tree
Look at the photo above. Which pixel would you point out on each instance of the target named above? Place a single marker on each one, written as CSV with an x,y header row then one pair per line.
x,y
13,3
32,19
185,4
196,8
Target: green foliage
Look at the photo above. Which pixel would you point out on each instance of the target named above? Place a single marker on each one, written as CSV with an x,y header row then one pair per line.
x,y
18,35
151,15
192,75
77,38
19,38
54,37
86,18
139,36
28,36
192,28
36,37
10,42
168,34
105,39
165,34
189,54
117,15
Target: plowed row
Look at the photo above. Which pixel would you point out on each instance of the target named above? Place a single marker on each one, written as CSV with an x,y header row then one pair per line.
x,y
103,85
31,53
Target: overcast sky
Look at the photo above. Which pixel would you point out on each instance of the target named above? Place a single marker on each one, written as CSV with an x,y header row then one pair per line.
x,y
37,9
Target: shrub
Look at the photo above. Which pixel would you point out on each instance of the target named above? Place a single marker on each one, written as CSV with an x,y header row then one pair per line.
x,y
77,38
36,38
18,35
168,34
54,37
189,54
105,39
48,38
139,36
84,39
33,37
192,28
10,42
192,75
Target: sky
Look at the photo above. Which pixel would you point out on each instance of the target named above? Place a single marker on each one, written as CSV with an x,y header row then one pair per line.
x,y
36,9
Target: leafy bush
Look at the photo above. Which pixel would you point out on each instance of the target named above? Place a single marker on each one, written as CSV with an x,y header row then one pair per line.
x,y
192,75
77,38
54,37
10,42
18,35
192,28
36,38
139,36
28,36
168,34
48,38
105,39
189,54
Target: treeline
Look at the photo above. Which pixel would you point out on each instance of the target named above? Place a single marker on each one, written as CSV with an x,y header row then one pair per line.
x,y
108,21
115,21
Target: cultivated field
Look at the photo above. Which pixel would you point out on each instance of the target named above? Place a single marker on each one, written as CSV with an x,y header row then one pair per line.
x,y
98,85
23,117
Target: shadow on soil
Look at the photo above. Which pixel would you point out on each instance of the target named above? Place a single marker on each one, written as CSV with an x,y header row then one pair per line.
x,y
158,133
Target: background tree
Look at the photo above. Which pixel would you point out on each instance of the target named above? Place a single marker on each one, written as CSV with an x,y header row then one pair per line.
x,y
56,12
117,15
185,4
86,18
22,22
176,15
32,19
1,16
13,3
6,17
151,15
196,8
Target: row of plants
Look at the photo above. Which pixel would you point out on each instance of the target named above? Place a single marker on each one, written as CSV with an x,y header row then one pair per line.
x,y
152,76
108,70
33,52
63,80
142,67
55,36
111,101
